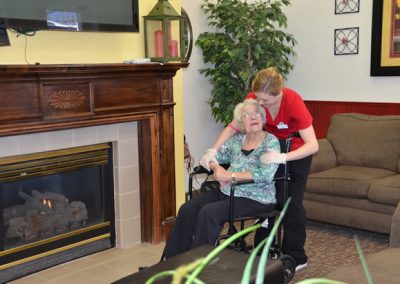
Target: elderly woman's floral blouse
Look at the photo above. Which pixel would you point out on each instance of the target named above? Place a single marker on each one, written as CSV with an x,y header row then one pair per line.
x,y
263,188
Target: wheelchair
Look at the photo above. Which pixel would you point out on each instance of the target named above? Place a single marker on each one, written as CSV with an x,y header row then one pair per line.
x,y
240,244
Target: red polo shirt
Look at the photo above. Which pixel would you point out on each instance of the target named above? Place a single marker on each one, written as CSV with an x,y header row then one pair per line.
x,y
293,116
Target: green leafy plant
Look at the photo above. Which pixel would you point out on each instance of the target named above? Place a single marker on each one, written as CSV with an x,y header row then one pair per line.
x,y
248,37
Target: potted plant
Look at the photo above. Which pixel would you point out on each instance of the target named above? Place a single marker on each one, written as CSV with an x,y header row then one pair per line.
x,y
247,37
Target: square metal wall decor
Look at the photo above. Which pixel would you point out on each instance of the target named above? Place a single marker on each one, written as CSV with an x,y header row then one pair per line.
x,y
347,6
346,41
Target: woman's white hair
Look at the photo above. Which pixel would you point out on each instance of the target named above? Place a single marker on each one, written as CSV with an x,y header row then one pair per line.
x,y
238,112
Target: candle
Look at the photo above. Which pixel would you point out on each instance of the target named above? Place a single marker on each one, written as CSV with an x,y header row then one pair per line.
x,y
159,43
173,48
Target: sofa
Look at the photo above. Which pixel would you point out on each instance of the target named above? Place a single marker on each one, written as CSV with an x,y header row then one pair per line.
x,y
354,178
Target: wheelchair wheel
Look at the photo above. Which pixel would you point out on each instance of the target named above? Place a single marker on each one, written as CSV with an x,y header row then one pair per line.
x,y
289,266
274,252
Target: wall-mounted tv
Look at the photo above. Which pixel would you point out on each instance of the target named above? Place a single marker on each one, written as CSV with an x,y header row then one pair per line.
x,y
76,15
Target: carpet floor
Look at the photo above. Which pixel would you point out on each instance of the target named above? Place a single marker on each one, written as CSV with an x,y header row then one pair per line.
x,y
329,246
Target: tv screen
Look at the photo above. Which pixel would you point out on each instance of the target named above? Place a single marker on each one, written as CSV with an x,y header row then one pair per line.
x,y
76,15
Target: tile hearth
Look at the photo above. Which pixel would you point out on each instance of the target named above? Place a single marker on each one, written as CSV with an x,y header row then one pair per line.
x,y
100,268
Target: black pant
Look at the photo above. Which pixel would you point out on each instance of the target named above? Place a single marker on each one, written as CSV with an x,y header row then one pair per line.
x,y
294,222
201,219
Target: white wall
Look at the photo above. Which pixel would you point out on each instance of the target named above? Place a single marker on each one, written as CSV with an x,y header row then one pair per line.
x,y
200,128
318,73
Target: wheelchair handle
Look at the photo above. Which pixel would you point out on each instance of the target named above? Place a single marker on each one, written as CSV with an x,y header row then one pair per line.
x,y
200,170
294,135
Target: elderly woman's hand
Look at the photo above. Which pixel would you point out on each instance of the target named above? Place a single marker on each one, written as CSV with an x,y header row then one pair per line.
x,y
220,174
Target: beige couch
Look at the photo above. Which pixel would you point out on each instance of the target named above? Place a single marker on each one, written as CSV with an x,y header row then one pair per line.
x,y
355,176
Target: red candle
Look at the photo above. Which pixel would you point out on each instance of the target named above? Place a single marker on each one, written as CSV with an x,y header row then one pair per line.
x,y
159,43
173,48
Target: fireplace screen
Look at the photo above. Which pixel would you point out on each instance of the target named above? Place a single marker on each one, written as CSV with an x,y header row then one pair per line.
x,y
43,207
54,200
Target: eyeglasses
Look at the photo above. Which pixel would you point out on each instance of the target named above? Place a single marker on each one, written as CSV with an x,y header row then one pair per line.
x,y
248,114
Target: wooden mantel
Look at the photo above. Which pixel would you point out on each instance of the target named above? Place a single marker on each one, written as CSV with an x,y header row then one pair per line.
x,y
37,98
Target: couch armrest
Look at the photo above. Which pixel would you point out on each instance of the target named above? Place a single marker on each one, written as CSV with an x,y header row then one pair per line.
x,y
395,228
325,158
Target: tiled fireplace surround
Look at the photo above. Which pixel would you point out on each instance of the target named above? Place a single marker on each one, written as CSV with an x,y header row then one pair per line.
x,y
49,107
124,138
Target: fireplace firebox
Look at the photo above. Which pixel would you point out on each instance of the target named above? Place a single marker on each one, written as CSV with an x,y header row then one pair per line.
x,y
58,204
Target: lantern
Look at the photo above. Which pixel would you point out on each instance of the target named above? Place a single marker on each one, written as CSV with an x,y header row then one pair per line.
x,y
164,34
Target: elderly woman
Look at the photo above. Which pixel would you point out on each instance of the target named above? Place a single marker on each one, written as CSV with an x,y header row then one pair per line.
x,y
201,219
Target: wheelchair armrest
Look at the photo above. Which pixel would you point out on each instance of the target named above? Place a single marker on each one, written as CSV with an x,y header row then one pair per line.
x,y
243,182
252,181
201,170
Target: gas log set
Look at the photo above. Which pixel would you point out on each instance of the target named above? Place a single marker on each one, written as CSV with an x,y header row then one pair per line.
x,y
43,215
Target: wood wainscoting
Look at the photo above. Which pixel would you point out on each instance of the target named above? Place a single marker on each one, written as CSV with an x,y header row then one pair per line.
x,y
37,98
323,110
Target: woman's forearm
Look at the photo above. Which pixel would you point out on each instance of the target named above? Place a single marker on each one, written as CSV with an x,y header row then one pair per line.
x,y
302,152
310,145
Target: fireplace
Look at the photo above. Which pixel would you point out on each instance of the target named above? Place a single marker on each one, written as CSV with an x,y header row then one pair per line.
x,y
57,107
53,202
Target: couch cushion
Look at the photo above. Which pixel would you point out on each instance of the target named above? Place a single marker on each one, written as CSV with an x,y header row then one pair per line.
x,y
385,190
349,217
356,203
325,158
346,181
366,140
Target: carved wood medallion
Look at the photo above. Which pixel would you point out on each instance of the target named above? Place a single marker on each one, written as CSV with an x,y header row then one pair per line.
x,y
66,99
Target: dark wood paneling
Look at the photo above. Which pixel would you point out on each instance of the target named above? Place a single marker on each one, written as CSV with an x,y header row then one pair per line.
x,y
145,128
117,93
51,97
19,101
323,110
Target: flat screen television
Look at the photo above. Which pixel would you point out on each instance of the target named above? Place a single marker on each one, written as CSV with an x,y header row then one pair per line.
x,y
75,15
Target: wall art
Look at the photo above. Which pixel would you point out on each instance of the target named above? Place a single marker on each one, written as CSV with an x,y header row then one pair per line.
x,y
347,6
346,41
385,40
